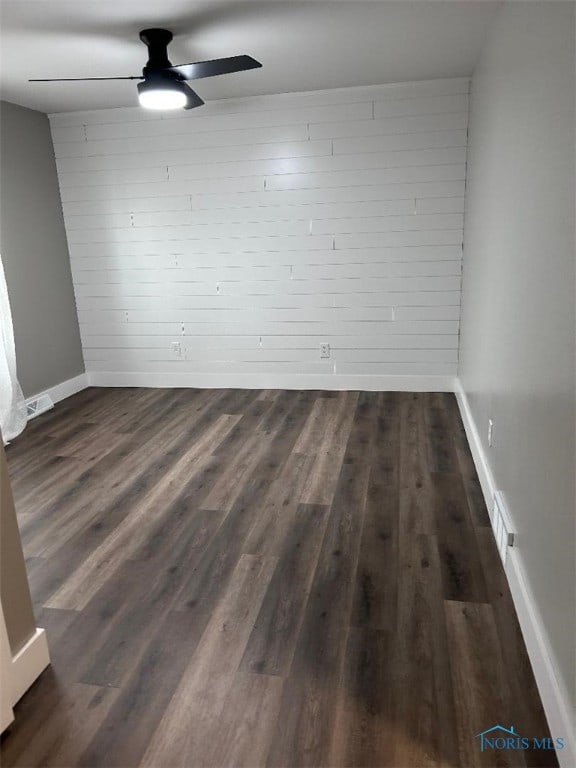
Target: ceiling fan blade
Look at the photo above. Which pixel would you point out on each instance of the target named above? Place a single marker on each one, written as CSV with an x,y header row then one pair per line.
x,y
215,67
193,99
80,79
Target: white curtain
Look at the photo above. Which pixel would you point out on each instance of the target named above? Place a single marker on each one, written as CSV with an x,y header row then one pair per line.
x,y
12,404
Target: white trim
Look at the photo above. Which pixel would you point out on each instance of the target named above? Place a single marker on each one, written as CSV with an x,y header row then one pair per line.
x,y
554,696
555,699
274,381
6,711
28,664
65,389
485,476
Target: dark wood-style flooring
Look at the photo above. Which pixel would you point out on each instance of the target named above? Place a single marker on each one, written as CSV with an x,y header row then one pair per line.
x,y
264,578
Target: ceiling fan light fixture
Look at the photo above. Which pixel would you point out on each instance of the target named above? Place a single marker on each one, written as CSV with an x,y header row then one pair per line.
x,y
164,85
162,94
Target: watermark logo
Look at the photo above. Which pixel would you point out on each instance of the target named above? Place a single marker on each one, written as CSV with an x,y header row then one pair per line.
x,y
499,737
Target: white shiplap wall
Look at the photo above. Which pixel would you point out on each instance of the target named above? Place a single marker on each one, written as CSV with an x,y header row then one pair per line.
x,y
253,230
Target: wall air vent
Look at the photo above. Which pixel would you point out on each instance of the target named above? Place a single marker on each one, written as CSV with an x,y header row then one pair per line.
x,y
502,525
37,405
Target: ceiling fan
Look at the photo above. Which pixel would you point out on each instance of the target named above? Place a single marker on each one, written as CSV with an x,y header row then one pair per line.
x,y
164,85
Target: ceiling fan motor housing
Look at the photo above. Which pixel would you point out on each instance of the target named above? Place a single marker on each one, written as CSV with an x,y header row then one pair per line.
x,y
157,41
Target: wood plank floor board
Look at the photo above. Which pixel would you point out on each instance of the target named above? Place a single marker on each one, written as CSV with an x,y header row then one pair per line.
x,y
211,573
246,428
238,466
156,410
271,645
38,458
45,484
203,690
51,573
144,696
316,425
285,402
129,457
422,686
242,578
100,618
93,446
128,400
376,587
58,723
196,463
387,439
363,724
181,518
268,394
246,723
462,571
323,477
416,508
440,436
100,523
83,495
72,437
362,434
55,621
33,457
117,655
479,680
106,493
280,508
303,733
289,427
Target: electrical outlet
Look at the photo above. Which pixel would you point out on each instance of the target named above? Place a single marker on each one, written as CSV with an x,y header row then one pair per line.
x,y
490,433
324,351
176,348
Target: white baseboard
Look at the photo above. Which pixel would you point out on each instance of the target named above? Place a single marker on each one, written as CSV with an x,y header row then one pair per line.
x,y
274,381
65,389
553,693
28,664
480,460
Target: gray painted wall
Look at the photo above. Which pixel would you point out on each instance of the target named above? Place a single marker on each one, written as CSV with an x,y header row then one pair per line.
x,y
35,253
518,326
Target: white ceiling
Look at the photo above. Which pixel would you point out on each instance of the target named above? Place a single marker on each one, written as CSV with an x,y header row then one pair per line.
x,y
303,45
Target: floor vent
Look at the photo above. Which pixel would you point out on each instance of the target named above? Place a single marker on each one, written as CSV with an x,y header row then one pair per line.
x,y
37,405
502,526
